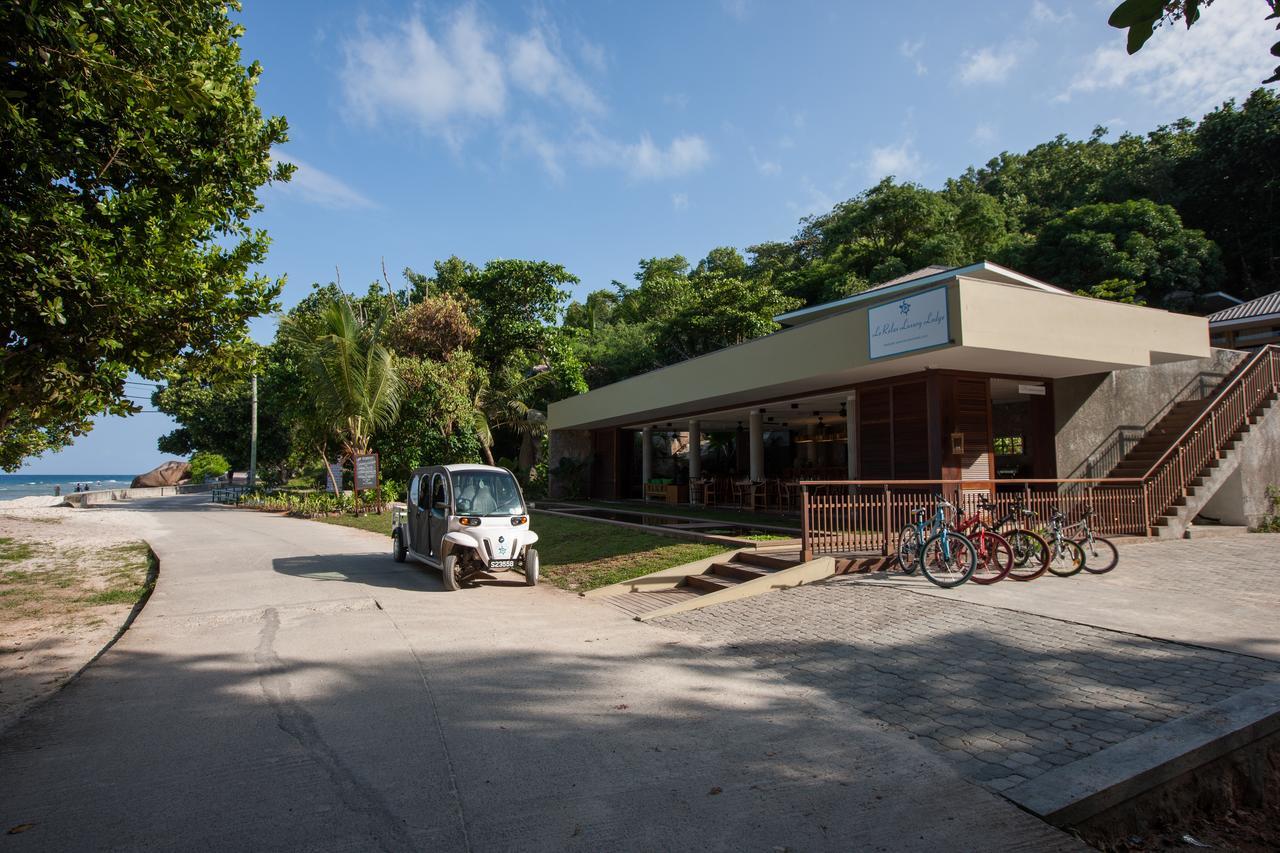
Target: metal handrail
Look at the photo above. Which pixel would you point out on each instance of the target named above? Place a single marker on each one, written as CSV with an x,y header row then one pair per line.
x,y
1264,353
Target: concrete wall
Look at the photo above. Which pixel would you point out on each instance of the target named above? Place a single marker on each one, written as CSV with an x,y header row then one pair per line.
x,y
1097,418
1243,498
573,444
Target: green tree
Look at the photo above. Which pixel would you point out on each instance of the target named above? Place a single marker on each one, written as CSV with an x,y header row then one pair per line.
x,y
131,152
1136,249
214,417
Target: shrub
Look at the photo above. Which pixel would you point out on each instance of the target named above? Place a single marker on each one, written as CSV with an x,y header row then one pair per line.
x,y
206,465
1271,524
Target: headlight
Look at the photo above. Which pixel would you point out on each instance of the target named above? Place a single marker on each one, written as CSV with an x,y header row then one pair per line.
x,y
518,520
469,521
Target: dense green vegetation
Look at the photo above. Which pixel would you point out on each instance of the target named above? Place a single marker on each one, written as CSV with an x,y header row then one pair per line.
x,y
476,353
131,153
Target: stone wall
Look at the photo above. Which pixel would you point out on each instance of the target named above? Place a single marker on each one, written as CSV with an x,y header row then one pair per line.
x,y
574,445
1243,498
1097,418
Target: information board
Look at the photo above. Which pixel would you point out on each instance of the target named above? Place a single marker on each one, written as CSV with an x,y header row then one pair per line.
x,y
915,322
366,472
334,479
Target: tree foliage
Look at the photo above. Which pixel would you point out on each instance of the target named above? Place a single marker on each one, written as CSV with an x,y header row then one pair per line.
x,y
131,151
1141,17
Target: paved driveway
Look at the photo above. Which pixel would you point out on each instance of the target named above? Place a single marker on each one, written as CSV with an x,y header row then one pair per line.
x,y
1009,681
289,687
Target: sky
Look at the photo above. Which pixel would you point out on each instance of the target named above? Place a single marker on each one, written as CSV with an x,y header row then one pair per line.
x,y
598,134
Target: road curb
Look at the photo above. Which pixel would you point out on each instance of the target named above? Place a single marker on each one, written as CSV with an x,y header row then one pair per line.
x,y
1075,793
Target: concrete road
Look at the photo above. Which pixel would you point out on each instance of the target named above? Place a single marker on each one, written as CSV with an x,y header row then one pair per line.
x,y
290,687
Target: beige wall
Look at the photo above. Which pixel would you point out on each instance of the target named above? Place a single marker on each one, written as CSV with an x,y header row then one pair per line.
x,y
996,328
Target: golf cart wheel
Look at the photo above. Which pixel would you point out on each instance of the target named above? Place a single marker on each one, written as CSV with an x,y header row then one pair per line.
x,y
398,552
531,568
450,573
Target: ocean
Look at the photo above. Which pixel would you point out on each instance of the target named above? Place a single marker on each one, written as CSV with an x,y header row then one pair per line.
x,y
24,485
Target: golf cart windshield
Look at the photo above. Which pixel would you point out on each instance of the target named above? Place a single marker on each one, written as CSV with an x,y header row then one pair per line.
x,y
486,493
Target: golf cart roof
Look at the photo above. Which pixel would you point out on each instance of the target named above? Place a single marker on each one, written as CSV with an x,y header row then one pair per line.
x,y
454,469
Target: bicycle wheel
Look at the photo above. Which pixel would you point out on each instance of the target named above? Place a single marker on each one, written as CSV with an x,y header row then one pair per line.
x,y
909,549
995,557
1100,556
1066,559
1030,554
948,559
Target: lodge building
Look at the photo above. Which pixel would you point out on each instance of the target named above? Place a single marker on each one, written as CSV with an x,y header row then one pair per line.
x,y
978,374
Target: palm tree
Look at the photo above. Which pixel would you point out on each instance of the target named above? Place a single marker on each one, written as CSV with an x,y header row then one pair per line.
x,y
351,377
502,405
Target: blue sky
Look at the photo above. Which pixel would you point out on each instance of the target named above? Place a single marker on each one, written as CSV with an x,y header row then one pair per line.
x,y
597,134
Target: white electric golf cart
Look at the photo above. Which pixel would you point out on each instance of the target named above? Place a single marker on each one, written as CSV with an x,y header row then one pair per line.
x,y
467,521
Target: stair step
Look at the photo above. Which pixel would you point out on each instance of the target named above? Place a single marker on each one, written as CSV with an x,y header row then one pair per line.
x,y
739,571
1214,531
753,558
710,583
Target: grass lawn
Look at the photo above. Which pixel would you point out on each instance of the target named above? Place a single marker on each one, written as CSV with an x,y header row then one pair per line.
x,y
710,514
579,555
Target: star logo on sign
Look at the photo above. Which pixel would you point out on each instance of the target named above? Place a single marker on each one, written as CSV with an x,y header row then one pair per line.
x,y
904,306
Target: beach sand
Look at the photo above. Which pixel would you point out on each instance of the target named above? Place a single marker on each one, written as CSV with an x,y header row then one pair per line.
x,y
47,631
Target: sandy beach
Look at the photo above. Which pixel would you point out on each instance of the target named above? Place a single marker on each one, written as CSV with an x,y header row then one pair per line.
x,y
59,569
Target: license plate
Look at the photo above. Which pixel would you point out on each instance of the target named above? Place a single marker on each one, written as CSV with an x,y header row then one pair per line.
x,y
502,564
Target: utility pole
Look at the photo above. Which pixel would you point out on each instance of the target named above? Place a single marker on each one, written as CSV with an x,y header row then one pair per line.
x,y
253,435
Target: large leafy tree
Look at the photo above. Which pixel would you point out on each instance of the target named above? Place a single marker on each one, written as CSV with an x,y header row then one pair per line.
x,y
131,151
1136,250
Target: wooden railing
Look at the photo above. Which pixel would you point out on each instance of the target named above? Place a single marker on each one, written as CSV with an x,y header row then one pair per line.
x,y
864,516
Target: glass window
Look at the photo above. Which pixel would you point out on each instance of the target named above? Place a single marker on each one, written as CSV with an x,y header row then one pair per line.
x,y
439,495
486,493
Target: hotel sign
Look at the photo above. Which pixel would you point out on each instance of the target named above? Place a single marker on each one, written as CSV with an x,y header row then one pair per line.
x,y
912,323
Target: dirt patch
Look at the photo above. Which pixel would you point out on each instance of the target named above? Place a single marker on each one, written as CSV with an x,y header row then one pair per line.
x,y
67,584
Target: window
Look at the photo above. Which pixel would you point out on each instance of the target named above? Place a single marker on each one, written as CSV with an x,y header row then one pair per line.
x,y
439,496
487,493
1008,445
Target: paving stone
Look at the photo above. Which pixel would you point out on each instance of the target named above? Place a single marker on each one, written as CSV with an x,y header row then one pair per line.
x,y
1005,696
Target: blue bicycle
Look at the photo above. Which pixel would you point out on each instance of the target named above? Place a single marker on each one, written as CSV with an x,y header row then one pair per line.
x,y
946,558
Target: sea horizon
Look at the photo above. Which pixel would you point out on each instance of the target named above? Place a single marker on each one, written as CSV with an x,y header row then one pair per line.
x,y
25,485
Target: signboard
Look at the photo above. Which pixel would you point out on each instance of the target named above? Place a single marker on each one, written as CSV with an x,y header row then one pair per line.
x,y
334,479
366,472
915,322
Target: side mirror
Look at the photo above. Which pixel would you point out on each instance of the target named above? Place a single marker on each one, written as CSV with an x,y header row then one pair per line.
x,y
532,505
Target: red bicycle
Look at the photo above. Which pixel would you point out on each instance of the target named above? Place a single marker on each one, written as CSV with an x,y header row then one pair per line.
x,y
995,554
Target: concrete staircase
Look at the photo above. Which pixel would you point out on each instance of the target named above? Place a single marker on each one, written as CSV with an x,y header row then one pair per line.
x,y
743,566
1177,521
1158,439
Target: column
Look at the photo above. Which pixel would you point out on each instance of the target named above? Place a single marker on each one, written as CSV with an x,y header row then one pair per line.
x,y
756,427
811,448
646,459
851,433
695,460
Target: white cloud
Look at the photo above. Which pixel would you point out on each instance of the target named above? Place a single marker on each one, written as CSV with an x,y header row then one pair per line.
x,y
815,201
438,81
911,50
763,166
988,64
529,138
679,201
593,55
319,187
535,67
1225,55
900,160
984,133
1043,13
645,160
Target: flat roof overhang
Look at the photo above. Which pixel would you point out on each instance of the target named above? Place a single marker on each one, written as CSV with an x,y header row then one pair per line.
x,y
995,328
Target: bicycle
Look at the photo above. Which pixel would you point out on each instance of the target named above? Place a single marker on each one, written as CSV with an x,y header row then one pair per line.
x,y
1100,555
995,554
1030,551
947,558
1066,557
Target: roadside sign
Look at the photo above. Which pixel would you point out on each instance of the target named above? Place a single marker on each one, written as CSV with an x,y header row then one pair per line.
x,y
334,478
366,472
